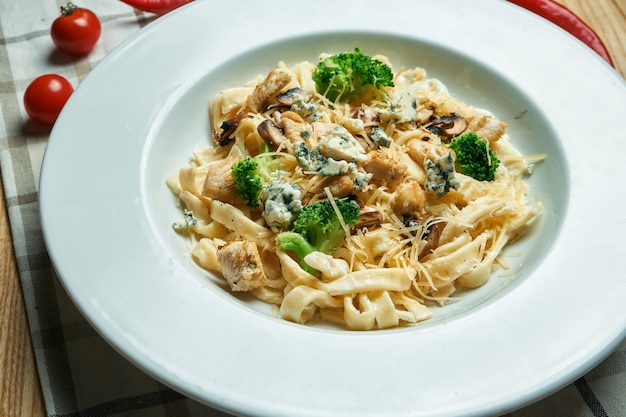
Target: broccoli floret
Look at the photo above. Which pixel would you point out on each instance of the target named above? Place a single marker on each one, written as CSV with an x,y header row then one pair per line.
x,y
351,74
321,226
474,157
317,228
250,175
295,242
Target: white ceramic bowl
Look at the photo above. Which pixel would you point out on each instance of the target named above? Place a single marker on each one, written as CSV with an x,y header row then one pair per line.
x,y
107,214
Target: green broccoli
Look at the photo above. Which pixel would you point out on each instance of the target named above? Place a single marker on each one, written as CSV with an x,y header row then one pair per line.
x,y
350,75
295,242
250,175
474,157
317,228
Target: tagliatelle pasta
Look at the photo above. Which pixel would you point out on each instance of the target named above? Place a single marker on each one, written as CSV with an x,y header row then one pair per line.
x,y
418,239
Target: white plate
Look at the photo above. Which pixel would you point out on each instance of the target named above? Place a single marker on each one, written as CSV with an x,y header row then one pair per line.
x,y
106,213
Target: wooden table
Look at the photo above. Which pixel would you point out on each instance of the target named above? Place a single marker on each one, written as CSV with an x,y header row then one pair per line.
x,y
20,392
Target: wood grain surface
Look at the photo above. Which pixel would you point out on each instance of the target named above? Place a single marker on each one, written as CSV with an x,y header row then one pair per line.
x,y
20,392
608,19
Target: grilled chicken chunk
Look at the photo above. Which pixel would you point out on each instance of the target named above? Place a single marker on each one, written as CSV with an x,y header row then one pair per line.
x,y
273,83
219,183
293,125
340,186
241,265
488,128
420,151
385,170
409,199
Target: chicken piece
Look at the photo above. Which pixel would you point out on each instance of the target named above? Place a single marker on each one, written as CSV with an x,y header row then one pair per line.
x,y
275,81
409,199
420,150
425,110
219,183
488,128
241,265
293,127
366,114
384,169
340,186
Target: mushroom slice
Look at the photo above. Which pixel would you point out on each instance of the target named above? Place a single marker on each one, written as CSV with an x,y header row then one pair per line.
x,y
432,240
367,220
287,98
449,126
272,135
228,128
241,265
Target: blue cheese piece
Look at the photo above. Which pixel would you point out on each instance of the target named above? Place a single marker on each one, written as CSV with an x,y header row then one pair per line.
x,y
353,125
380,137
340,144
401,110
306,109
440,175
189,221
282,202
314,161
360,178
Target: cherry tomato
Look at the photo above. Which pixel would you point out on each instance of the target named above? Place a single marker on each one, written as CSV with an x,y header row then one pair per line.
x,y
45,96
76,31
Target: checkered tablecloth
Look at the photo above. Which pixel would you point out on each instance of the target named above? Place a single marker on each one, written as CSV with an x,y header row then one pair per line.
x,y
81,375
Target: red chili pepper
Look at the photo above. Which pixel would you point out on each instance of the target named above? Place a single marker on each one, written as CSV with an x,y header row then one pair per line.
x,y
566,19
156,6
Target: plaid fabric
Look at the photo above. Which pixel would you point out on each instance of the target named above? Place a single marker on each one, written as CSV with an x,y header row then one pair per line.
x,y
81,375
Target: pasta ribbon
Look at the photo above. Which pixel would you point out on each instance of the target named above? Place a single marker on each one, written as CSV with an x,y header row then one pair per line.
x,y
424,230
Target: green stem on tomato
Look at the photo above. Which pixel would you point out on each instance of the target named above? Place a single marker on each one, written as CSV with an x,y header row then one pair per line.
x,y
69,9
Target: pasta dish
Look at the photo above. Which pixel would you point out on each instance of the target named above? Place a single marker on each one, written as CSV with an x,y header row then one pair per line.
x,y
408,217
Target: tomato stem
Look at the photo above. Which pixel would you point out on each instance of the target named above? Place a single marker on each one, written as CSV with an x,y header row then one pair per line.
x,y
69,9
